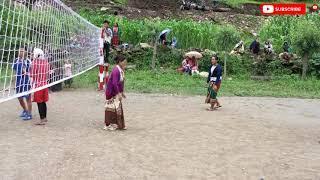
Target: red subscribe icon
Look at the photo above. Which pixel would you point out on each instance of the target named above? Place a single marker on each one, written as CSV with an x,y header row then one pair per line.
x,y
283,9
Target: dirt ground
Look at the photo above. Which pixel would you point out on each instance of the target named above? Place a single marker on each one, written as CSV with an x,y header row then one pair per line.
x,y
168,137
246,17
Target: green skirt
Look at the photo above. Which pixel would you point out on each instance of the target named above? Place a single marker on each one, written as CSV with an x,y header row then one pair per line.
x,y
211,93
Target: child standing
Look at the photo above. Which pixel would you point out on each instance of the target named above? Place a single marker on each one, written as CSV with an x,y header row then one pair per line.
x,y
21,67
40,69
106,35
68,73
116,35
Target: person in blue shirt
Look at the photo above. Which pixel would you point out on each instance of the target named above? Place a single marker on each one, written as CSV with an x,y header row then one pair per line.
x,y
21,67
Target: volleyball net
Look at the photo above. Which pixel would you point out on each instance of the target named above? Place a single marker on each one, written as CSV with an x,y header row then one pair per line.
x,y
57,34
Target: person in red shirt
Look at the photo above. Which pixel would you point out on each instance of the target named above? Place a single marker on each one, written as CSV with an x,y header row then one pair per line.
x,y
39,72
116,35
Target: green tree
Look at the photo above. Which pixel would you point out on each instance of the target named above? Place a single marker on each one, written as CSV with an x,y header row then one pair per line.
x,y
152,29
226,38
306,40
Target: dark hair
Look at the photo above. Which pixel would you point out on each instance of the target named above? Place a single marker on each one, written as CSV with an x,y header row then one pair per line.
x,y
216,57
119,58
106,21
115,13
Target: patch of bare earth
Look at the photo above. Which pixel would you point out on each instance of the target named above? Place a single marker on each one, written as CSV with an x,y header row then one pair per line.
x,y
244,18
168,137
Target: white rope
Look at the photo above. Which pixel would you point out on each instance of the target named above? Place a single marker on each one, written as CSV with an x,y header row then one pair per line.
x,y
51,26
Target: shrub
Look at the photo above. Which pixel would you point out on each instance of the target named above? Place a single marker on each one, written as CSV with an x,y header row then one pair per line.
x,y
306,40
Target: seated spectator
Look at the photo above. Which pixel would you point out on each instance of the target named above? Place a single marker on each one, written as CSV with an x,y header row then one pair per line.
x,y
255,47
189,66
238,49
268,49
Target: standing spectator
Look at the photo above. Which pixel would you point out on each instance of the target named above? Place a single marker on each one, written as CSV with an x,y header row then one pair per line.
x,y
68,73
106,35
116,35
57,70
21,67
40,72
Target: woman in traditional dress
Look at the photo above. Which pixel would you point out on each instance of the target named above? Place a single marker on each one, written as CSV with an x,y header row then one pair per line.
x,y
116,35
114,118
214,80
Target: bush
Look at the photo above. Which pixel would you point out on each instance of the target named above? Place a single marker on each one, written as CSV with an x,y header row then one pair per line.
x,y
282,28
204,35
190,34
227,37
306,40
315,65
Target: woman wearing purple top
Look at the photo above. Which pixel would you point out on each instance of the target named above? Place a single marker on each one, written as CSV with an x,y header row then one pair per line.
x,y
114,119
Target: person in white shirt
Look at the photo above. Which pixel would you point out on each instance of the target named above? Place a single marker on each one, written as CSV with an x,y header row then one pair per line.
x,y
106,35
68,73
268,49
238,49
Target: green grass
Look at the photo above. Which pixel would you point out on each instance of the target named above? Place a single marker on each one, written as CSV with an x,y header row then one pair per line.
x,y
170,82
137,31
5,77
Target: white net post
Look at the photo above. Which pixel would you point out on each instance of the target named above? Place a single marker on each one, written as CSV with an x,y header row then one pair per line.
x,y
64,37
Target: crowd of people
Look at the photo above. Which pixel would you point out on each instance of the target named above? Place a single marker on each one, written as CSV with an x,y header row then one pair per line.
x,y
114,91
111,38
267,49
39,68
35,69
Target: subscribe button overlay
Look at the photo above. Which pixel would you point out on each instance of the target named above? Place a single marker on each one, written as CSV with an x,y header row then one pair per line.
x,y
283,9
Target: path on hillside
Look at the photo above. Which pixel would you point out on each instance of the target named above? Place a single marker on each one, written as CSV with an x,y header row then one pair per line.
x,y
168,137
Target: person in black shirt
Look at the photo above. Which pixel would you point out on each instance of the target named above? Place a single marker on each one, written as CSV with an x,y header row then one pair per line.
x,y
255,47
286,47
